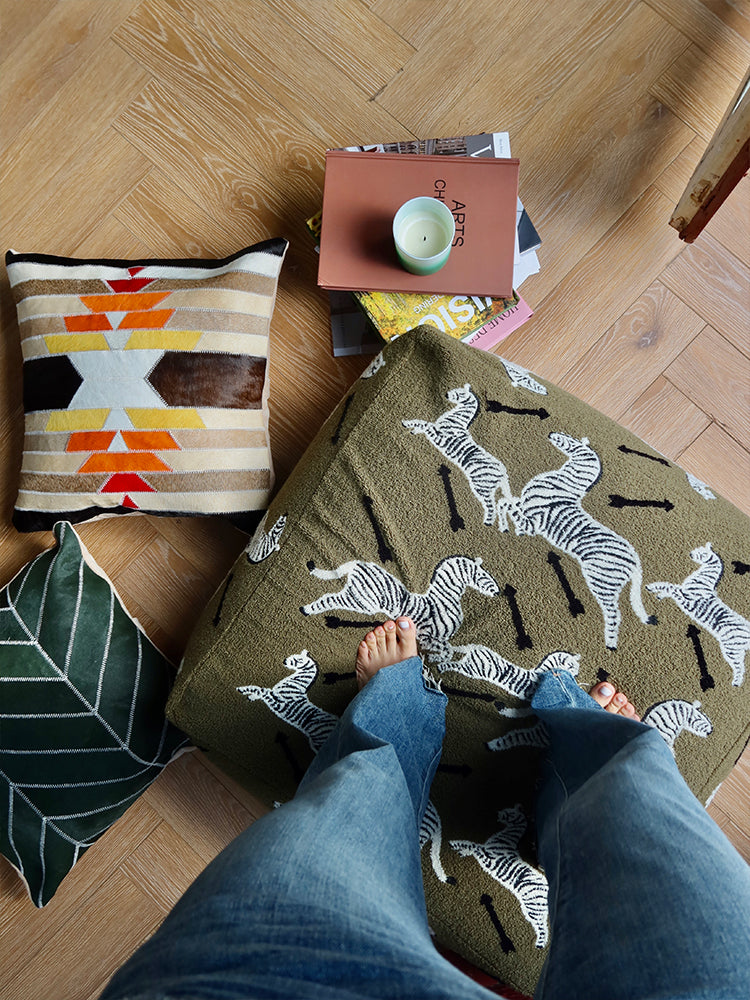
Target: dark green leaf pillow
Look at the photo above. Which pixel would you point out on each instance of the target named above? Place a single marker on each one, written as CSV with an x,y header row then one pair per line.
x,y
82,726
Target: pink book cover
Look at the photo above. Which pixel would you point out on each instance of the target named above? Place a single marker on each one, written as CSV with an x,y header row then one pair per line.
x,y
362,193
500,326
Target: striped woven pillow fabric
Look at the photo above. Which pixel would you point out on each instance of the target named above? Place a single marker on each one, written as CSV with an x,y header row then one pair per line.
x,y
145,385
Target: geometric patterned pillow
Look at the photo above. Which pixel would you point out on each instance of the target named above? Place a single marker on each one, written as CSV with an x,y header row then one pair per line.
x,y
145,385
82,726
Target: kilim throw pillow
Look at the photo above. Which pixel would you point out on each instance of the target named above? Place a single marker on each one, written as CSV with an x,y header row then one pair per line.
x,y
145,385
82,726
523,531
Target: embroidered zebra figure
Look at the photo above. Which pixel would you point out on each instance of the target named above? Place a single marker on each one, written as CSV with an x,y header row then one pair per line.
x,y
483,664
522,379
370,590
671,718
450,434
431,832
700,487
288,700
532,736
375,365
696,596
499,857
263,543
550,506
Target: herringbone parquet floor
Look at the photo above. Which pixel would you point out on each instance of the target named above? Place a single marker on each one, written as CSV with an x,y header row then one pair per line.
x,y
194,127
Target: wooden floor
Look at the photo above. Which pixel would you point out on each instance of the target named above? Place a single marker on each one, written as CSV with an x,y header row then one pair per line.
x,y
195,127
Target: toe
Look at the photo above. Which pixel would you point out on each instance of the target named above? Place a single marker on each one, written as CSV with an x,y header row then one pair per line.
x,y
391,638
407,637
603,694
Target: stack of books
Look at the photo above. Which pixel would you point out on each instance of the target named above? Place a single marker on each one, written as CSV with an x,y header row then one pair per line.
x,y
362,320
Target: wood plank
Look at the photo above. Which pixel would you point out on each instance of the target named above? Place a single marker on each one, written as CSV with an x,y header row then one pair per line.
x,y
18,21
665,418
337,30
697,90
716,285
295,72
106,167
194,803
231,188
79,969
646,338
45,59
115,79
467,81
163,866
711,32
720,461
412,21
598,183
111,239
716,376
218,94
672,181
162,217
26,930
588,301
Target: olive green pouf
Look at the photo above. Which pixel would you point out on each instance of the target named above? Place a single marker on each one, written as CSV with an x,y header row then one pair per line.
x,y
522,530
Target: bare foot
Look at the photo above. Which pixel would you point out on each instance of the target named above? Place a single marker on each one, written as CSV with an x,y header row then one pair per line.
x,y
387,644
607,695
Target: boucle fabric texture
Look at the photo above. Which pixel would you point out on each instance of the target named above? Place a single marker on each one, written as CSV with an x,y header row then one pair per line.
x,y
145,385
522,530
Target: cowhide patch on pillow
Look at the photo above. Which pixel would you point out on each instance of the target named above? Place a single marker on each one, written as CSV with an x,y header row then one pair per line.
x,y
145,385
522,530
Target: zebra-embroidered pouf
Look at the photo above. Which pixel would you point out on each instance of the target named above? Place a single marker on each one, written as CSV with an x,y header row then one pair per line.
x,y
522,530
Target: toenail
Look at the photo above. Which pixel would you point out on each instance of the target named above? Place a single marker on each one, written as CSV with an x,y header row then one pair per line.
x,y
621,699
390,626
606,691
403,623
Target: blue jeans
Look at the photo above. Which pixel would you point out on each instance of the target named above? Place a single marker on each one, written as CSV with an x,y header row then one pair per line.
x,y
324,898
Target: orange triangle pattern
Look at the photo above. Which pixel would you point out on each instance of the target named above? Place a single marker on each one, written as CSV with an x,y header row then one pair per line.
x,y
128,297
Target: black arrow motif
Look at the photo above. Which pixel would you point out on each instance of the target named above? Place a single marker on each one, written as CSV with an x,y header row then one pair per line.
x,y
459,693
523,639
505,942
333,678
333,621
457,522
643,454
495,406
574,604
461,769
384,552
694,634
615,500
217,616
602,675
283,740
337,432
740,568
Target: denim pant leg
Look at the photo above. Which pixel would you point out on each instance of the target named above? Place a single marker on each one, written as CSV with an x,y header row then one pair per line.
x,y
648,899
324,896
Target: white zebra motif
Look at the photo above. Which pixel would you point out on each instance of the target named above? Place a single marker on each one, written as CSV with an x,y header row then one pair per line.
x,y
375,365
671,718
522,379
484,664
450,434
696,596
499,857
550,506
431,832
700,487
532,736
370,589
288,700
263,543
